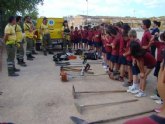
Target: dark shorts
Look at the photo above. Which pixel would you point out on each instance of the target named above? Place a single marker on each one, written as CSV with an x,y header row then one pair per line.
x,y
114,59
150,67
157,68
129,63
76,41
103,50
122,60
84,40
90,43
79,40
108,56
135,70
97,44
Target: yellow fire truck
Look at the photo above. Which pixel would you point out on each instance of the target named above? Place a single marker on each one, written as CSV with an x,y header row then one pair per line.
x,y
55,27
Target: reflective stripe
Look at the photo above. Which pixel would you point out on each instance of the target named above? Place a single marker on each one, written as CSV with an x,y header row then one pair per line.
x,y
10,63
10,42
10,66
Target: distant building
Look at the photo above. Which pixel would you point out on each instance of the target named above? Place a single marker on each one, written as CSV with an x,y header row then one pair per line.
x,y
96,20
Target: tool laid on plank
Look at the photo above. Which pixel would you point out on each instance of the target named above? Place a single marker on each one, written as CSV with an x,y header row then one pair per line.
x,y
77,120
81,107
76,94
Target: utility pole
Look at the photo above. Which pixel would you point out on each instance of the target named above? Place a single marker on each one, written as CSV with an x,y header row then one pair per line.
x,y
87,12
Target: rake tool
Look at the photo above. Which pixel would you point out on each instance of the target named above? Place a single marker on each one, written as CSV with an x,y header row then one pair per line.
x,y
76,94
80,108
77,120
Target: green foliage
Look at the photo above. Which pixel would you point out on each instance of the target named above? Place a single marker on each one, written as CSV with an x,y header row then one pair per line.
x,y
17,7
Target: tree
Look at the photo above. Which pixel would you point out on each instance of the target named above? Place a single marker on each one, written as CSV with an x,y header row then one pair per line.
x,y
17,7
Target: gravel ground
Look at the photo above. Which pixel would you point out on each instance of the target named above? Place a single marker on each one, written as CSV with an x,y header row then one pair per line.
x,y
38,96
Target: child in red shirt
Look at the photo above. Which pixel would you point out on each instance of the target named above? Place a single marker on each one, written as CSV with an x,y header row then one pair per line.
x,y
160,118
145,61
90,37
80,37
108,49
146,35
116,36
97,40
160,47
122,59
133,69
84,37
76,38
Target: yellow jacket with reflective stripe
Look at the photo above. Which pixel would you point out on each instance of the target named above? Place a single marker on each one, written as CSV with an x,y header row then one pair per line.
x,y
27,29
9,29
19,34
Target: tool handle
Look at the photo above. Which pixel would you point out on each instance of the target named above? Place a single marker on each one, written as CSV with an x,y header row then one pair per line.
x,y
115,91
121,118
112,103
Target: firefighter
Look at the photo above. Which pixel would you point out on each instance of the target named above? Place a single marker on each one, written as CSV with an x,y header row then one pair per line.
x,y
66,36
46,41
10,40
28,29
19,43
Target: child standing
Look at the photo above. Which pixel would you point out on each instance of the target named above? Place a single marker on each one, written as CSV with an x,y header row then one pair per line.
x,y
132,65
116,36
160,47
76,38
146,35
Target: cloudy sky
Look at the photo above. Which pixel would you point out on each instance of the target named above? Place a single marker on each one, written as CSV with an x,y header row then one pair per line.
x,y
139,8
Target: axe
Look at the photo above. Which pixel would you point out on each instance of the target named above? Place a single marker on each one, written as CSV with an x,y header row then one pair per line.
x,y
76,94
77,120
80,108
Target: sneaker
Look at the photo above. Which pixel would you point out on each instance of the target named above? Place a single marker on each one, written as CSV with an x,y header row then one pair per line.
x,y
158,110
155,97
159,101
136,91
127,84
131,89
104,66
141,94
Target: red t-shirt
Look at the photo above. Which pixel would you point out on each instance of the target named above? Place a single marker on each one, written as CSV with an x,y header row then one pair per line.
x,y
108,40
148,59
80,34
146,39
72,35
103,40
153,119
128,57
116,43
145,120
76,35
97,36
84,34
122,48
160,47
90,35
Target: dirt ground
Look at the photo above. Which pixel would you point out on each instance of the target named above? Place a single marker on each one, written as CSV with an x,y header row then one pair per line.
x,y
38,96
